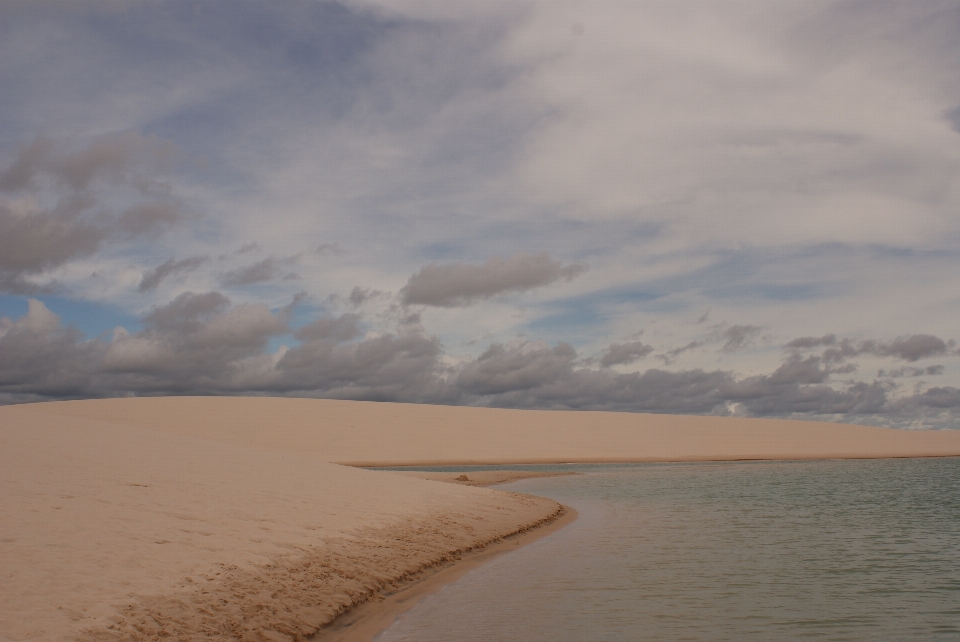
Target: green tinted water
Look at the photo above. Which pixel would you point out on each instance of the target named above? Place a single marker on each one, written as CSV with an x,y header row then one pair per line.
x,y
832,550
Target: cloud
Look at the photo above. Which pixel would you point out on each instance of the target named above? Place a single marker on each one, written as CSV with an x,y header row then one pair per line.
x,y
20,173
33,240
205,344
328,248
56,217
906,371
537,375
461,284
339,329
517,367
187,312
359,296
153,278
670,356
148,218
624,353
945,397
908,347
197,341
122,158
739,337
812,342
268,269
401,366
42,359
954,117
933,408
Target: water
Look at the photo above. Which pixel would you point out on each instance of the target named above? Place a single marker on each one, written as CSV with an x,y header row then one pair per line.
x,y
831,550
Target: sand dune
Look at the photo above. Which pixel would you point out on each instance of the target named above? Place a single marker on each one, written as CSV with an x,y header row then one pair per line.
x,y
224,518
115,532
389,434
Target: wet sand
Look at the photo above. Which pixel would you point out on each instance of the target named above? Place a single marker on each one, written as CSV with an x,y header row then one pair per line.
x,y
230,518
364,622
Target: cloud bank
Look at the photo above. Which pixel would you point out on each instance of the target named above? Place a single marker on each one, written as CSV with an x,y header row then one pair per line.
x,y
205,344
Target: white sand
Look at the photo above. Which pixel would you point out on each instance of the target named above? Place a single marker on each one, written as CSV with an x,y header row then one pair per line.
x,y
220,518
387,433
105,523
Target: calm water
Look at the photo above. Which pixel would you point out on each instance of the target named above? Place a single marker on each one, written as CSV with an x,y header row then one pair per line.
x,y
835,550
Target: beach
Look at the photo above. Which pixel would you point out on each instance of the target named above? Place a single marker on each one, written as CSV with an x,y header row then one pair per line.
x,y
237,518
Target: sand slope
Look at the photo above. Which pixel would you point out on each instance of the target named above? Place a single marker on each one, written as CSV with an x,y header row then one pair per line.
x,y
387,433
110,531
222,518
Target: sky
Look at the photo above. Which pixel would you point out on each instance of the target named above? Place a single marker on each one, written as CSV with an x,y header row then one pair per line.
x,y
696,207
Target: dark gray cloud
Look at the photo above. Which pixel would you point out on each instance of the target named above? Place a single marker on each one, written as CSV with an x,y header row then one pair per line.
x,y
739,337
401,366
20,173
34,241
907,371
458,284
42,359
624,353
269,269
197,341
187,312
328,248
936,407
908,348
517,368
812,342
359,296
35,237
148,218
537,375
944,397
126,158
153,278
954,117
670,356
339,329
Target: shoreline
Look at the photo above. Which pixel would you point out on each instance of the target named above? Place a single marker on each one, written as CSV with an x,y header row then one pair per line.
x,y
458,463
481,478
364,621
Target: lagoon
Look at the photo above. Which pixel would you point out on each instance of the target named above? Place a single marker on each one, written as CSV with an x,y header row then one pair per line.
x,y
811,550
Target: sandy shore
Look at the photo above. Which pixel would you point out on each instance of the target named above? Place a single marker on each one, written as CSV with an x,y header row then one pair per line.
x,y
229,518
364,622
115,532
